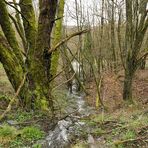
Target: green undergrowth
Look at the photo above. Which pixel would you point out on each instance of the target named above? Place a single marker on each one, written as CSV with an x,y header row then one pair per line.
x,y
114,131
22,129
12,137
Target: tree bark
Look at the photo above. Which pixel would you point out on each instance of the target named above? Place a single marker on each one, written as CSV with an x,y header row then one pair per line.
x,y
57,37
35,91
41,59
9,32
134,38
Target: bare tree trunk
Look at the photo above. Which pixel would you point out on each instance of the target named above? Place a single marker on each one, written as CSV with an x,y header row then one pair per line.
x,y
134,37
113,36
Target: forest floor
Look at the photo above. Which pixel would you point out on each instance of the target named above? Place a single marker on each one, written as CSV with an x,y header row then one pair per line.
x,y
120,125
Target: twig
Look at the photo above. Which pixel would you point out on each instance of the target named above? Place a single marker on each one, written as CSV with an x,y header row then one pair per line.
x,y
142,57
13,99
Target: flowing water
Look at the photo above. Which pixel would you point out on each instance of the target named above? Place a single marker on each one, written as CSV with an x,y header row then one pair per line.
x,y
68,128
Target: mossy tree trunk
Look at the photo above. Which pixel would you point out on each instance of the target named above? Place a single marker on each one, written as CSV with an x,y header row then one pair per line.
x,y
136,27
9,32
57,37
36,90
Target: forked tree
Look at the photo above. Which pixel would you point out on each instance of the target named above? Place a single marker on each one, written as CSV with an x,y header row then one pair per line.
x,y
36,39
136,28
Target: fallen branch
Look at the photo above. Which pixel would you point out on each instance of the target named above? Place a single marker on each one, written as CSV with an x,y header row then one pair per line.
x,y
13,99
66,39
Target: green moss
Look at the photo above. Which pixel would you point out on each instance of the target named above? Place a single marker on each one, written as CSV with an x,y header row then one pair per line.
x,y
57,38
11,65
9,32
29,23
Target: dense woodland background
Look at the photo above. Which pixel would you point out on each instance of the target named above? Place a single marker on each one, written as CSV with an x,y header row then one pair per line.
x,y
52,48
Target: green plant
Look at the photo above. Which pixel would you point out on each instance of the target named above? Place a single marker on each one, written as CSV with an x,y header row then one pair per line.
x,y
7,131
4,97
23,116
120,146
98,131
16,143
130,134
7,134
32,133
37,146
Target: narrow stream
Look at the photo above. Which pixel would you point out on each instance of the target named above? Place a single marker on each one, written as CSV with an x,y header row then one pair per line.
x,y
68,128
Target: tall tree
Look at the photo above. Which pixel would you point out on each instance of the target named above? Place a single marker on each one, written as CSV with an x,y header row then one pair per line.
x,y
136,27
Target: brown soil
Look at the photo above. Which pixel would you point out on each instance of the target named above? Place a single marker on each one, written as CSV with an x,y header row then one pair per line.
x,y
112,87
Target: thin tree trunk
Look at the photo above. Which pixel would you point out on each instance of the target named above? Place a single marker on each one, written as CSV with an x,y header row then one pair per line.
x,y
113,37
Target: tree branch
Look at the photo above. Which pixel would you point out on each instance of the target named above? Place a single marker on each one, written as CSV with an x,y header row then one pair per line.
x,y
66,39
142,57
17,11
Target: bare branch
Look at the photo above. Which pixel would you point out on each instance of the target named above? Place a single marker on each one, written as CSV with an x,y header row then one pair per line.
x,y
17,10
66,39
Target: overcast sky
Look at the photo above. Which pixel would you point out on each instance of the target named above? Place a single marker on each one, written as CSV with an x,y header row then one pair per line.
x,y
70,9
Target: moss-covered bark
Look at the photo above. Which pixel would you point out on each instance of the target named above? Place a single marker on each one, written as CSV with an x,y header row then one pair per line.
x,y
10,63
9,32
30,29
14,70
36,89
57,37
29,22
41,59
134,37
20,29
